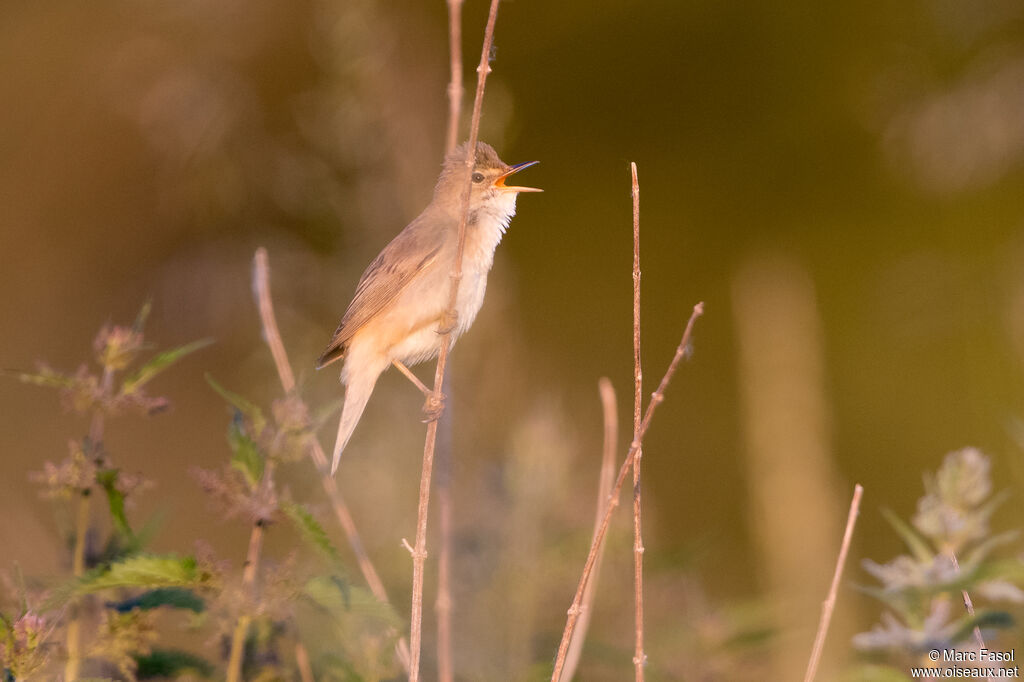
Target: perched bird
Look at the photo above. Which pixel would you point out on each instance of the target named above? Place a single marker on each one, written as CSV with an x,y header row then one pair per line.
x,y
397,314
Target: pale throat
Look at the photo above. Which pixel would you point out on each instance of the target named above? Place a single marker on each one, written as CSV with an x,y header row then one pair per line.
x,y
489,223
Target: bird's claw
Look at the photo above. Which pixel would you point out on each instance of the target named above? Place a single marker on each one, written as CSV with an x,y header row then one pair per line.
x,y
433,407
447,323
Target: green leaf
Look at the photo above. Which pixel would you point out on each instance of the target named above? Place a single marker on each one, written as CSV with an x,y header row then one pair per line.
x,y
250,410
312,532
325,412
171,663
981,619
140,319
159,364
1011,570
917,545
246,455
337,597
45,377
107,478
174,597
135,571
976,556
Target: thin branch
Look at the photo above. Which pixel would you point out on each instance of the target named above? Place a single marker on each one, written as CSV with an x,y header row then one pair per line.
x,y
639,658
73,639
656,398
252,564
455,88
302,663
265,303
443,603
604,489
969,605
830,603
419,554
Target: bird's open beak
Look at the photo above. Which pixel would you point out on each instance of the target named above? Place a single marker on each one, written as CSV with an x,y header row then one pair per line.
x,y
500,181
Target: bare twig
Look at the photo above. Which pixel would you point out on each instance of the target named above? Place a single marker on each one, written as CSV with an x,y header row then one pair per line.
x,y
94,449
420,553
604,489
265,303
252,564
455,85
656,398
443,604
830,603
302,662
969,605
639,658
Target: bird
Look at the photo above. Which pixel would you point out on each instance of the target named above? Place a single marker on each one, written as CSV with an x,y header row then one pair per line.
x,y
398,313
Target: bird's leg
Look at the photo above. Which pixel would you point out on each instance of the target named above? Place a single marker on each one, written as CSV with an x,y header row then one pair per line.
x,y
400,366
434,405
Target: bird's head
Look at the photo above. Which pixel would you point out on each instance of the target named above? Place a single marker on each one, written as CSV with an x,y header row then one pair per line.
x,y
487,179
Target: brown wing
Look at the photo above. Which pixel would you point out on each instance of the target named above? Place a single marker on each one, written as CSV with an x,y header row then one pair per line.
x,y
401,261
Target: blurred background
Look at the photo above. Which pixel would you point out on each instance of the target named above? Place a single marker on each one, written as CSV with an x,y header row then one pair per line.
x,y
841,185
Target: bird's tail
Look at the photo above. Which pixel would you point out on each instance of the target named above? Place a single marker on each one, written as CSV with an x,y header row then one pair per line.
x,y
358,387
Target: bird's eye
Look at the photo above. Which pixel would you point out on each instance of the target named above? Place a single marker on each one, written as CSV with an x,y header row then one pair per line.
x,y
478,177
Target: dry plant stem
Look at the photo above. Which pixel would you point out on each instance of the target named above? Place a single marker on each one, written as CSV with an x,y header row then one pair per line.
x,y
968,604
656,398
639,658
252,565
265,303
455,89
443,604
74,628
419,553
302,663
604,488
828,606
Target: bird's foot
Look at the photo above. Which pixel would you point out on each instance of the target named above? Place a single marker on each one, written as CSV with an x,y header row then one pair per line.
x,y
433,407
447,323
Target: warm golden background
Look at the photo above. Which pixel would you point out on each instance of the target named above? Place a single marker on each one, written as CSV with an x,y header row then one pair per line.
x,y
840,183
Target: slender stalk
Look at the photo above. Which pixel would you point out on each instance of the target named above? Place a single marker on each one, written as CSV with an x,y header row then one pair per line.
x,y
828,606
74,628
95,447
656,398
969,605
302,662
604,489
455,89
265,303
443,605
252,565
639,658
419,553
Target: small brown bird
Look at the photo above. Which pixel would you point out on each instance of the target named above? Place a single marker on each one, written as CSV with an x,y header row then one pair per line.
x,y
397,314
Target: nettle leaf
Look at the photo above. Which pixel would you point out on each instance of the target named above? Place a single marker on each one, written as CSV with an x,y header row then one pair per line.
x,y
312,532
45,377
251,411
335,596
107,478
140,319
174,597
158,364
981,619
134,571
246,454
171,663
920,548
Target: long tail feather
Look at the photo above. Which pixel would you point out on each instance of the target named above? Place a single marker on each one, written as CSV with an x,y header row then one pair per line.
x,y
357,391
